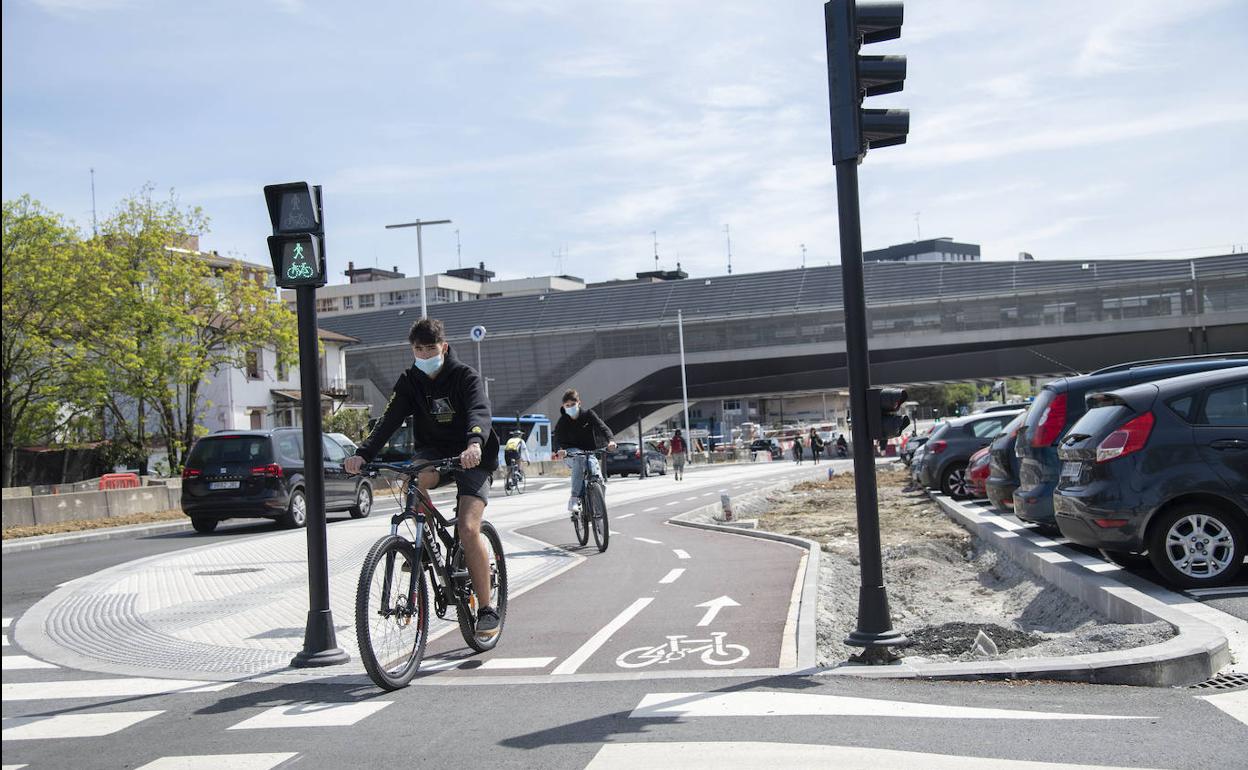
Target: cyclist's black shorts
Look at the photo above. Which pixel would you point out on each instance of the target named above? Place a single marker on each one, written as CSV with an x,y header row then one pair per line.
x,y
469,482
511,456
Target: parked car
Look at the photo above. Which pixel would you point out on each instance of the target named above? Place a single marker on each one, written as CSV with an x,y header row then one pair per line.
x,y
1060,404
1162,468
977,473
626,459
345,441
1003,466
911,442
260,474
770,446
947,452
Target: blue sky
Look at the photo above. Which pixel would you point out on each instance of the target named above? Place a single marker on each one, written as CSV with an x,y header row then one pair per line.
x,y
1064,128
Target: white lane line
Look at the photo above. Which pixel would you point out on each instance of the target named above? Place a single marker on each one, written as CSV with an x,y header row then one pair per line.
x,y
764,703
1233,703
651,508
708,494
312,714
71,725
674,502
625,516
578,658
517,663
4,641
105,688
221,761
673,576
1222,591
687,499
12,767
648,540
551,486
23,662
716,755
680,554
8,622
441,664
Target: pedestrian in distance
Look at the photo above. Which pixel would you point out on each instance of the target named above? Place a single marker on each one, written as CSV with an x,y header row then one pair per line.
x,y
444,401
678,451
580,428
816,445
797,448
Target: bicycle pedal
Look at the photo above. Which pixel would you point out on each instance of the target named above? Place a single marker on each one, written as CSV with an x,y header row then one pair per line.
x,y
461,574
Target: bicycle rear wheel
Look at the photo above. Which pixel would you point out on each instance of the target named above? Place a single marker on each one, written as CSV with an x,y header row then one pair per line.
x,y
596,502
391,613
466,611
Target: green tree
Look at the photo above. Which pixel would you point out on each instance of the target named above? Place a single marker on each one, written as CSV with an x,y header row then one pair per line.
x,y
352,422
51,296
184,315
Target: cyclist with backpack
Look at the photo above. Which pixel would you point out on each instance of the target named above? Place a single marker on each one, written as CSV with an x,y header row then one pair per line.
x,y
515,451
580,428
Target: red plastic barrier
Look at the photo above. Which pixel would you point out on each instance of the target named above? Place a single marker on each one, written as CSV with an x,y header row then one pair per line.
x,y
119,481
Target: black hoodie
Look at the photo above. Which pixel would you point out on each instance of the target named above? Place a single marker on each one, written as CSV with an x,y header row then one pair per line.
x,y
587,431
448,412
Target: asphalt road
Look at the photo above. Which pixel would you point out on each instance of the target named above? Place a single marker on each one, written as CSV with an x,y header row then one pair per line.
x,y
583,622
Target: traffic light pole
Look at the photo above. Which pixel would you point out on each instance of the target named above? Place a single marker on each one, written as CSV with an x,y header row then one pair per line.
x,y
874,631
320,648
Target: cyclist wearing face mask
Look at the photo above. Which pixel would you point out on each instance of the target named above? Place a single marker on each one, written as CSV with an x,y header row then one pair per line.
x,y
580,428
444,399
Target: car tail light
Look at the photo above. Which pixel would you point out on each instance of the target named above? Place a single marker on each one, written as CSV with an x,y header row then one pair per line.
x,y
939,446
272,470
191,473
637,454
1129,438
1052,419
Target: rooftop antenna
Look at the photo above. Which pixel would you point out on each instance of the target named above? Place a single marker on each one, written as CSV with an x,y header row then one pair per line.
x,y
655,233
94,227
803,256
459,257
728,236
918,234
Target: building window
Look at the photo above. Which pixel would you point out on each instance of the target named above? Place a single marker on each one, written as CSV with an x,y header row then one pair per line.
x,y
327,305
392,298
347,303
367,300
251,365
732,406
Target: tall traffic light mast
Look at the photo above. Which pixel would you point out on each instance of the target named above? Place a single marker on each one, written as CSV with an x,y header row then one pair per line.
x,y
851,77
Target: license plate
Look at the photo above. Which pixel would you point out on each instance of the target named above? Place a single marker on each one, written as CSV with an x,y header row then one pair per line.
x,y
223,485
1071,469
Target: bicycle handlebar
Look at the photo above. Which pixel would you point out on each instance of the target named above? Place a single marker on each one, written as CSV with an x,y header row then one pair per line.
x,y
412,469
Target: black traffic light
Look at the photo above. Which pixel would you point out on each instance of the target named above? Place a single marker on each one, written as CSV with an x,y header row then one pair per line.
x,y
297,246
882,418
851,77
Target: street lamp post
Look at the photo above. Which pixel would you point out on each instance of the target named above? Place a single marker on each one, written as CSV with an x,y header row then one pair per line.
x,y
420,224
684,381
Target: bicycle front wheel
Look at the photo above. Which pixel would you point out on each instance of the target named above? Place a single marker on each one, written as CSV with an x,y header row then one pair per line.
x,y
391,613
580,522
597,503
467,610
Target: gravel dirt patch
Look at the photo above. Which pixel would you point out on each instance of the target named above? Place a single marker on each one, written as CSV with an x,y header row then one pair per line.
x,y
78,525
944,585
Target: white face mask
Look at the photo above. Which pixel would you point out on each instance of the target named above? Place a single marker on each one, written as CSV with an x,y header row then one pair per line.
x,y
573,411
429,366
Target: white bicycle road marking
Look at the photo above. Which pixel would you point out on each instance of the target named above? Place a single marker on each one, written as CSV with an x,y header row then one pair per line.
x,y
714,651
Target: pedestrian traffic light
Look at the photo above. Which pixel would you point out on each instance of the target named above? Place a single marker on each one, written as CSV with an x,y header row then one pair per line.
x,y
297,246
850,25
882,418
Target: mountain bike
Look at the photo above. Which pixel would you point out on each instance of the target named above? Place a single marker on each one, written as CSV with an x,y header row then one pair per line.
x,y
516,480
391,600
592,514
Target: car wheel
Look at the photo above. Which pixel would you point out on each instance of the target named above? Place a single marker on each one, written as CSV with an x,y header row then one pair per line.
x,y
1126,560
1196,544
954,483
363,502
203,525
297,511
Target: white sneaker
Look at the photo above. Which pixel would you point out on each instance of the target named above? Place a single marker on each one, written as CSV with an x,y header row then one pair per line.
x,y
574,504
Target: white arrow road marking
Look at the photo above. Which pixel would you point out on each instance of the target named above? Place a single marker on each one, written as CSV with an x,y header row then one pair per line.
x,y
576,659
673,576
72,725
764,703
1233,703
718,755
680,554
312,715
713,608
220,761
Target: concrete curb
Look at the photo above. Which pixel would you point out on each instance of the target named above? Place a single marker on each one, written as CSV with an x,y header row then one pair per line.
x,y
1198,651
39,542
807,645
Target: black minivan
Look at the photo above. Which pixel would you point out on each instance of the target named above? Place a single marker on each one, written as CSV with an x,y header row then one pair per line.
x,y
1162,468
1060,404
259,474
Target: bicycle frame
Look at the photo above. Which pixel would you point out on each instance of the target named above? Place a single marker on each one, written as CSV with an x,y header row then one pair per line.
x,y
428,551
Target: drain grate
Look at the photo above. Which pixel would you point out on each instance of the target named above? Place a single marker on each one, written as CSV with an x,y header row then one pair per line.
x,y
1223,682
234,571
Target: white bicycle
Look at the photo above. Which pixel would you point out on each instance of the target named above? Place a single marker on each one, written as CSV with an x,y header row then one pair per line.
x,y
715,652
